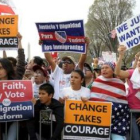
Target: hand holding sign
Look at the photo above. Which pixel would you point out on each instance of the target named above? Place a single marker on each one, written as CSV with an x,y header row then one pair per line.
x,y
19,36
121,50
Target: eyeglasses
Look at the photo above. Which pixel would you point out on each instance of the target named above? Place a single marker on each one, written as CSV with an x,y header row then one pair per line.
x,y
86,69
66,62
38,73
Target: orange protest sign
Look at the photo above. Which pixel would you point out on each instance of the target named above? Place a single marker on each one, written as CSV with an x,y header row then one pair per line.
x,y
89,113
8,25
90,120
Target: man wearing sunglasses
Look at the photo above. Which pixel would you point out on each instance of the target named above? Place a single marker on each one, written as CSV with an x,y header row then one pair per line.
x,y
61,76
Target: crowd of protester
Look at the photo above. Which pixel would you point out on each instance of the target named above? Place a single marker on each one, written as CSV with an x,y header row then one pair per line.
x,y
67,79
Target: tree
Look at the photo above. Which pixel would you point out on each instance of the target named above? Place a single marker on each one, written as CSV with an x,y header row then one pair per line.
x,y
104,16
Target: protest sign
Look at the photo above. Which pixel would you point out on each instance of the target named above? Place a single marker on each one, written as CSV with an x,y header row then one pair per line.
x,y
8,32
6,9
15,100
128,33
62,36
90,120
109,56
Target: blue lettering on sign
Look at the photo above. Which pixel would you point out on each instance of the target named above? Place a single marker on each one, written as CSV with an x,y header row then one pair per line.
x,y
122,38
130,34
133,42
134,21
122,28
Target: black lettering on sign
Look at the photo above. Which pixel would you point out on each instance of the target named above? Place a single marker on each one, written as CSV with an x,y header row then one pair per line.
x,y
88,107
4,31
7,20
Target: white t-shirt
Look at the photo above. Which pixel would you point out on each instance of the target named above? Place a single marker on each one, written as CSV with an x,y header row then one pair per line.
x,y
60,81
36,89
75,94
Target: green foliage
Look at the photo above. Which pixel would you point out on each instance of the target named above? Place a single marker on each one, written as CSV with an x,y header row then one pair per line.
x,y
104,16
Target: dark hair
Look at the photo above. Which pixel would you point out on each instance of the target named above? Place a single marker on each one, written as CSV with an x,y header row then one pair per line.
x,y
124,68
48,88
6,64
38,60
14,61
82,76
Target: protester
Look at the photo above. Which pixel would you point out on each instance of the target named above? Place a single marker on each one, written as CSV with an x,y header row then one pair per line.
x,y
89,75
29,72
108,88
19,63
41,76
46,101
76,91
63,75
133,78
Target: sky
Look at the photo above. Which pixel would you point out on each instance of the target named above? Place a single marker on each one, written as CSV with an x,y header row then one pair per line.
x,y
32,11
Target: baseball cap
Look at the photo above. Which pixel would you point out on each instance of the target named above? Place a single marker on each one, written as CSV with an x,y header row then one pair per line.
x,y
70,58
88,66
37,67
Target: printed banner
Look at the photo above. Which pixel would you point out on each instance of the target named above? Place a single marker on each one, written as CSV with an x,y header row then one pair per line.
x,y
15,100
129,32
109,56
62,36
8,32
6,9
90,120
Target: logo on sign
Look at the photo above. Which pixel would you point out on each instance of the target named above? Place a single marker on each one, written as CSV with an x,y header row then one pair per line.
x,y
61,36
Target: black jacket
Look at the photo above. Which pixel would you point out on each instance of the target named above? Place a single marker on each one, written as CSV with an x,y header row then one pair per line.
x,y
57,110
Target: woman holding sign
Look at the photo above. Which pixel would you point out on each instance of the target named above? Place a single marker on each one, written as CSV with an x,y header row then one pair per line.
x,y
76,91
133,97
108,88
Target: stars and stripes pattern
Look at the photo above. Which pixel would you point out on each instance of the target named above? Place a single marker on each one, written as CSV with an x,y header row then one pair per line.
x,y
113,90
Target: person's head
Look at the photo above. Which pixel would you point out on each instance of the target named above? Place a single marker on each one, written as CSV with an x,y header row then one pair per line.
x,y
107,70
40,74
95,61
35,61
138,64
68,64
77,79
88,71
13,61
6,69
46,92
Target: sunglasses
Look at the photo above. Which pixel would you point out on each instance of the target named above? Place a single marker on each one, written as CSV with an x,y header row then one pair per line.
x,y
66,62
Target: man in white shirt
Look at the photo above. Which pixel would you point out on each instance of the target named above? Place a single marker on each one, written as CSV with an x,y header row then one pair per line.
x,y
61,76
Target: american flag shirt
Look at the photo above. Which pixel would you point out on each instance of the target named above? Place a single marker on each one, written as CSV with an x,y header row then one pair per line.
x,y
113,90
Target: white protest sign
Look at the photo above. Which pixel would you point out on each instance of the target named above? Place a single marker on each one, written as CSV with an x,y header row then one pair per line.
x,y
109,56
128,33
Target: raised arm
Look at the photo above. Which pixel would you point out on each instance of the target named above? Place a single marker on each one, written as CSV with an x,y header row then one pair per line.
x,y
49,58
82,58
118,71
20,67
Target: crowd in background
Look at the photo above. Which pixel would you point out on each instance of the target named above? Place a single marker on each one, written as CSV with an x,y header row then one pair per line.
x,y
64,79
